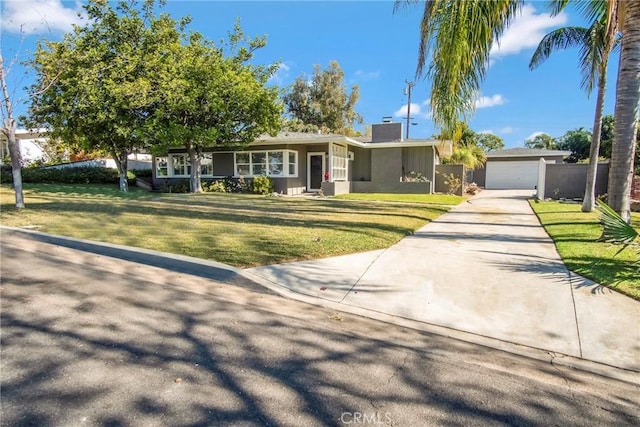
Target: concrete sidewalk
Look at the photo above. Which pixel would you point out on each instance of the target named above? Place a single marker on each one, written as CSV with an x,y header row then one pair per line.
x,y
485,269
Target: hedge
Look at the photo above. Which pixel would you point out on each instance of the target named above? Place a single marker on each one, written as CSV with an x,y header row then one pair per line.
x,y
81,175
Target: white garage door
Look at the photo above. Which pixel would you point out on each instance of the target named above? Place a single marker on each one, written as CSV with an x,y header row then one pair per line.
x,y
518,174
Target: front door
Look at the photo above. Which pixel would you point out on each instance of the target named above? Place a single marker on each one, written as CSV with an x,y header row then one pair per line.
x,y
315,171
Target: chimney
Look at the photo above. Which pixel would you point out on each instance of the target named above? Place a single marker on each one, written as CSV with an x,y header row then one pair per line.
x,y
386,131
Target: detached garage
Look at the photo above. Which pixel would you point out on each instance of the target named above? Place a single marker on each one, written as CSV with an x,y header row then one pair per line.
x,y
515,168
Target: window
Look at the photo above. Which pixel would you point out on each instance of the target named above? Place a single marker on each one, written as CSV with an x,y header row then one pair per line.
x,y
162,166
275,163
281,163
259,163
293,163
181,165
206,164
339,159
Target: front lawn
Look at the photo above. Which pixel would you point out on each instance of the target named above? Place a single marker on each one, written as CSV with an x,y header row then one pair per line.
x,y
237,229
575,233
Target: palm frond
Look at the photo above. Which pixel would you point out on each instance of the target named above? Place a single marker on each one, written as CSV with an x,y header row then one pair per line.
x,y
614,228
562,38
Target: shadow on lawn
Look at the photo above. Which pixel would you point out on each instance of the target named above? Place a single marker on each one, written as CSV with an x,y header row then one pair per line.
x,y
112,344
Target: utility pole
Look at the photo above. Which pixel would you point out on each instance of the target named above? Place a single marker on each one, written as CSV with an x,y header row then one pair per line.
x,y
407,92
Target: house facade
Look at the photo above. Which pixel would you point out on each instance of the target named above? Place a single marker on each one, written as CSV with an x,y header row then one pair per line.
x,y
334,164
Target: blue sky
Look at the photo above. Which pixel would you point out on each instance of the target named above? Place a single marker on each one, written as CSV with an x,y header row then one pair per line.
x,y
376,49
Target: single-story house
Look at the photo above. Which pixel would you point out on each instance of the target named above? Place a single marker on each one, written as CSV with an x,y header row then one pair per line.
x,y
515,168
308,162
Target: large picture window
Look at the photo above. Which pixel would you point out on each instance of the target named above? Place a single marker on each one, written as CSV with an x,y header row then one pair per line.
x,y
280,163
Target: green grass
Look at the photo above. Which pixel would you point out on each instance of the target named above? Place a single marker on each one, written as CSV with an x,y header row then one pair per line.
x,y
575,234
240,230
437,199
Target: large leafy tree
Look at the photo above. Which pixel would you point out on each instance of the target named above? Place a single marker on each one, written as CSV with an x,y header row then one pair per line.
x,y
579,142
213,98
96,88
322,101
489,141
596,44
606,140
542,141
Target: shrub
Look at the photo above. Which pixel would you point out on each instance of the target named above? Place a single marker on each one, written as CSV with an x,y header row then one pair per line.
x,y
142,173
414,177
217,186
181,186
262,185
236,185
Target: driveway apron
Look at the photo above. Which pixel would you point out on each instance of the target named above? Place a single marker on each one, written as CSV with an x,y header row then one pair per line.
x,y
487,267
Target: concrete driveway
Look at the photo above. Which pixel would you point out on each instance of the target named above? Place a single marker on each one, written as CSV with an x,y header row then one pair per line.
x,y
487,272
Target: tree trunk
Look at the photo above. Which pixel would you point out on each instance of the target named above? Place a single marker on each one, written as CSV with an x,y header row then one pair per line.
x,y
590,189
122,162
195,185
626,113
16,163
9,129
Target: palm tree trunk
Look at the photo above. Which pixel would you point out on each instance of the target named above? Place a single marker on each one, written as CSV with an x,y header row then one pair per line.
x,y
626,113
589,200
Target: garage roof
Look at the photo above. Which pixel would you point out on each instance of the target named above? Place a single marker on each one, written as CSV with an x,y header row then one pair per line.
x,y
527,152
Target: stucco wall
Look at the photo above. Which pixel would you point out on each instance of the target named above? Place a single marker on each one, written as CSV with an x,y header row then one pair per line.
x,y
391,187
441,170
335,188
568,180
386,165
360,167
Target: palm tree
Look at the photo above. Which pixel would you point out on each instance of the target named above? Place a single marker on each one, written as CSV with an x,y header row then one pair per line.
x,y
460,35
626,110
596,44
456,36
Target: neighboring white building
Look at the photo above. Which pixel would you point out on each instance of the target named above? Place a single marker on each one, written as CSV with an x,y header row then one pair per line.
x,y
30,150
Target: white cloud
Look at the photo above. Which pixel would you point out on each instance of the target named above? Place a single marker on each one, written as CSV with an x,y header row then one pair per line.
x,y
501,131
526,31
416,112
490,101
280,75
367,75
39,16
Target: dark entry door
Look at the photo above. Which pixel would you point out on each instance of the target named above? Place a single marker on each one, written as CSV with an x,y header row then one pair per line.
x,y
315,171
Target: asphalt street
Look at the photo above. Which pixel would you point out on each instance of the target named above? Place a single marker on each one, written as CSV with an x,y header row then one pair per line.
x,y
87,339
